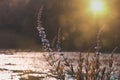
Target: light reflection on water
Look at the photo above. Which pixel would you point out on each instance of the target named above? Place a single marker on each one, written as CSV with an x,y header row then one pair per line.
x,y
12,66
21,64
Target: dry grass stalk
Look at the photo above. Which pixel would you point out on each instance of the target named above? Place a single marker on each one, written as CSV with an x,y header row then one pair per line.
x,y
88,68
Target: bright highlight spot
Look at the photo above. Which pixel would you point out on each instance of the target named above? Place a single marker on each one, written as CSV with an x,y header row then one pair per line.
x,y
97,6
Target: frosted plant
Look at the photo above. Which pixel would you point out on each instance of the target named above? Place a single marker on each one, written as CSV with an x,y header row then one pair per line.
x,y
61,66
58,40
98,47
42,34
55,62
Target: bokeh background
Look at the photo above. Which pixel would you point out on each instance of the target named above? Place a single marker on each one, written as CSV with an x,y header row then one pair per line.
x,y
18,22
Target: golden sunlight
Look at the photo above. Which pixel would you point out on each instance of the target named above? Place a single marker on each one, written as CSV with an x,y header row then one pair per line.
x,y
97,6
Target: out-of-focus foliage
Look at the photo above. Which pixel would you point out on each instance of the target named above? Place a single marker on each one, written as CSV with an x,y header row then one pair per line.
x,y
79,26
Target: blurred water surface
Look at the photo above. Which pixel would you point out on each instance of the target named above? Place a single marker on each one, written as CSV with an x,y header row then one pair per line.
x,y
15,65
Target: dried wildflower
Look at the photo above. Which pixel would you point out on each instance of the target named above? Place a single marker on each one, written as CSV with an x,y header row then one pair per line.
x,y
87,68
111,61
42,34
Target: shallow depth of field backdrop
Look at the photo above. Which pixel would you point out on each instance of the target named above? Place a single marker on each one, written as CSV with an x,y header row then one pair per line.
x,y
79,25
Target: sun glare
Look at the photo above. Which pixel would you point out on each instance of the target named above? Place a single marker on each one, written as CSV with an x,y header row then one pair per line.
x,y
97,6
